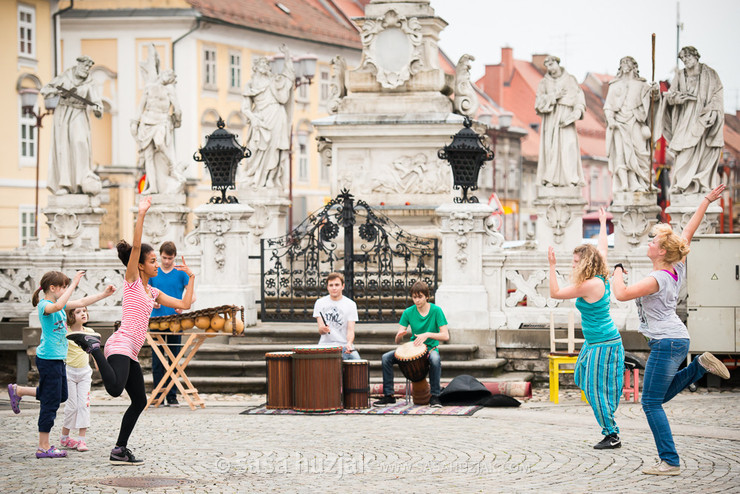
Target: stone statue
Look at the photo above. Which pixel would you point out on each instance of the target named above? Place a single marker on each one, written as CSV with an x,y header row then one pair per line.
x,y
338,89
466,101
267,104
153,128
70,170
693,120
560,102
627,109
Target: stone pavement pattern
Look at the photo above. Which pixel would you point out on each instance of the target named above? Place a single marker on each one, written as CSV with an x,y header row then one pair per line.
x,y
538,447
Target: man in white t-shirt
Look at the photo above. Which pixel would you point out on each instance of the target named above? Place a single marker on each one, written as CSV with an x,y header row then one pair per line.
x,y
336,316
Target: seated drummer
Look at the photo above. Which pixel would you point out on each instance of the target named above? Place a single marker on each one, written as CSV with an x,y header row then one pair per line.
x,y
336,315
428,326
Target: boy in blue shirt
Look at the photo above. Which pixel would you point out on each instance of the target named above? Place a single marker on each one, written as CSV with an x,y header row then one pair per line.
x,y
172,282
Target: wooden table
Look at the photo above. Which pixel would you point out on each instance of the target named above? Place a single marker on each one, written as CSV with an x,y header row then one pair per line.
x,y
175,366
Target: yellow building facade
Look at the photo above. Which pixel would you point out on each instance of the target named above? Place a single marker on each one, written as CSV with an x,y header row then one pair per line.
x,y
27,54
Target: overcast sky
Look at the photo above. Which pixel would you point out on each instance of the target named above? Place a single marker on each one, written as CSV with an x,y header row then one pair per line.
x,y
592,35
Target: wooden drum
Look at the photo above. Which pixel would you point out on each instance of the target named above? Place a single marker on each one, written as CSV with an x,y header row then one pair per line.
x,y
279,369
413,361
356,384
317,378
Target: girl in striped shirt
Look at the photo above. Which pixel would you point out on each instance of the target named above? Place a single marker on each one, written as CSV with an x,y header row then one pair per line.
x,y
119,366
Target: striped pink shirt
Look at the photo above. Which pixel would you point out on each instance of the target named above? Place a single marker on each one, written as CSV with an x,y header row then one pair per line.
x,y
137,307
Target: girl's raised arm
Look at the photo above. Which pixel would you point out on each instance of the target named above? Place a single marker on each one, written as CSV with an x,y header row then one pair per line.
x,y
132,268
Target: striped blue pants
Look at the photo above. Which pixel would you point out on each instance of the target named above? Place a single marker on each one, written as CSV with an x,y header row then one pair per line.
x,y
599,373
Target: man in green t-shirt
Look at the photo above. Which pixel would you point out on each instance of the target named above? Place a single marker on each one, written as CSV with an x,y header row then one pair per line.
x,y
428,326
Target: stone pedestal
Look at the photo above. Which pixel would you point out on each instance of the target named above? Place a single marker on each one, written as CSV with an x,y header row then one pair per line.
x,y
222,234
166,220
635,213
462,295
268,221
684,206
74,221
559,217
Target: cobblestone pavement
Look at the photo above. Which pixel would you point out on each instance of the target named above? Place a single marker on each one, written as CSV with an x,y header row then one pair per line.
x,y
537,447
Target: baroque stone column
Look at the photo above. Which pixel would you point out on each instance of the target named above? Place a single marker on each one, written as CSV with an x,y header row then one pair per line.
x,y
222,235
74,221
559,216
462,295
635,213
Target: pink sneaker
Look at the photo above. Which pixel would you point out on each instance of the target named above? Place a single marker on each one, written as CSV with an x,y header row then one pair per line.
x,y
69,443
81,446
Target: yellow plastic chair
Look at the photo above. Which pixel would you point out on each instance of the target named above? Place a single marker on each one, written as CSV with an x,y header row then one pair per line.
x,y
560,358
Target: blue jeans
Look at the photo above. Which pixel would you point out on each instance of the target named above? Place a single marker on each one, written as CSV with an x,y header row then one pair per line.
x,y
435,372
51,391
353,355
661,383
173,341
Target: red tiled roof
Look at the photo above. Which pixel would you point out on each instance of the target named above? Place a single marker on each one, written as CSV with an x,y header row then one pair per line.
x,y
731,133
307,19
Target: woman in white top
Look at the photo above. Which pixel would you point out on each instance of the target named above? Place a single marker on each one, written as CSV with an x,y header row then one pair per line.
x,y
657,297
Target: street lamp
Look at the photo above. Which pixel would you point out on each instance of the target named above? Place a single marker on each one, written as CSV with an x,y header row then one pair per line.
x,y
222,155
29,96
466,155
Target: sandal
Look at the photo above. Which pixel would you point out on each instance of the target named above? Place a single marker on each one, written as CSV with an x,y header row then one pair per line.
x,y
15,400
52,452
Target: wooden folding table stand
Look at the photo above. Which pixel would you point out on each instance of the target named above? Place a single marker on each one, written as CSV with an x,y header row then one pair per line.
x,y
174,370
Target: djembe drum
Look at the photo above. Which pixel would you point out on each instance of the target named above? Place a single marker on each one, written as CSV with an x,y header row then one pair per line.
x,y
279,369
413,361
317,378
356,384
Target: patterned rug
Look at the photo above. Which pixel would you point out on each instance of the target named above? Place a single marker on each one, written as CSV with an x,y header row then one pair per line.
x,y
398,409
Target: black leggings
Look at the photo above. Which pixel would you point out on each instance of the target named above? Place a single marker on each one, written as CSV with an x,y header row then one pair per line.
x,y
119,372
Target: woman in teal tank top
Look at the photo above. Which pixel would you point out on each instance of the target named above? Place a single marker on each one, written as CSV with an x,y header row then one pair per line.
x,y
599,369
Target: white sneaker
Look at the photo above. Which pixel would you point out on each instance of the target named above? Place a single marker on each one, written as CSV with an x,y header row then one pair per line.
x,y
714,365
662,468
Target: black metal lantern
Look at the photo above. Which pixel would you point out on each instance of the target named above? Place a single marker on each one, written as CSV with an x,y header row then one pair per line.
x,y
222,154
466,155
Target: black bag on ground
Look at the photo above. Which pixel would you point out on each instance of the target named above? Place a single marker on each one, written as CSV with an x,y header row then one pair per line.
x,y
466,390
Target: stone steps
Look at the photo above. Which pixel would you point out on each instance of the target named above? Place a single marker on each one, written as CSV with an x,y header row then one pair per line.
x,y
370,352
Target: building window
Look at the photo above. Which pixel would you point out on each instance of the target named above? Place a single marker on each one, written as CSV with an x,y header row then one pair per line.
x,y
324,85
26,31
209,68
27,224
235,70
303,174
27,141
302,93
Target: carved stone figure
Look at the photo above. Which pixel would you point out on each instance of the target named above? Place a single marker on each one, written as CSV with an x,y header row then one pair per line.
x,y
693,119
153,128
560,102
338,88
267,105
70,170
627,109
413,175
466,101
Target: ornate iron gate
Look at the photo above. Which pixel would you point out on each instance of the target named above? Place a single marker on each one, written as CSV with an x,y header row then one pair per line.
x,y
379,269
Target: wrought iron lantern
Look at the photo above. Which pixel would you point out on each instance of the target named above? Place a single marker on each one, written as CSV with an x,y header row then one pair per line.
x,y
222,154
466,155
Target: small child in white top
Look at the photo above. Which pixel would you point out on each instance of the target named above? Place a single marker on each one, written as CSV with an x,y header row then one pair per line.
x,y
79,380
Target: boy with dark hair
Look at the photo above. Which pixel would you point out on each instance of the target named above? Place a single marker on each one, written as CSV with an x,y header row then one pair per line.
x,y
427,325
173,283
336,316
